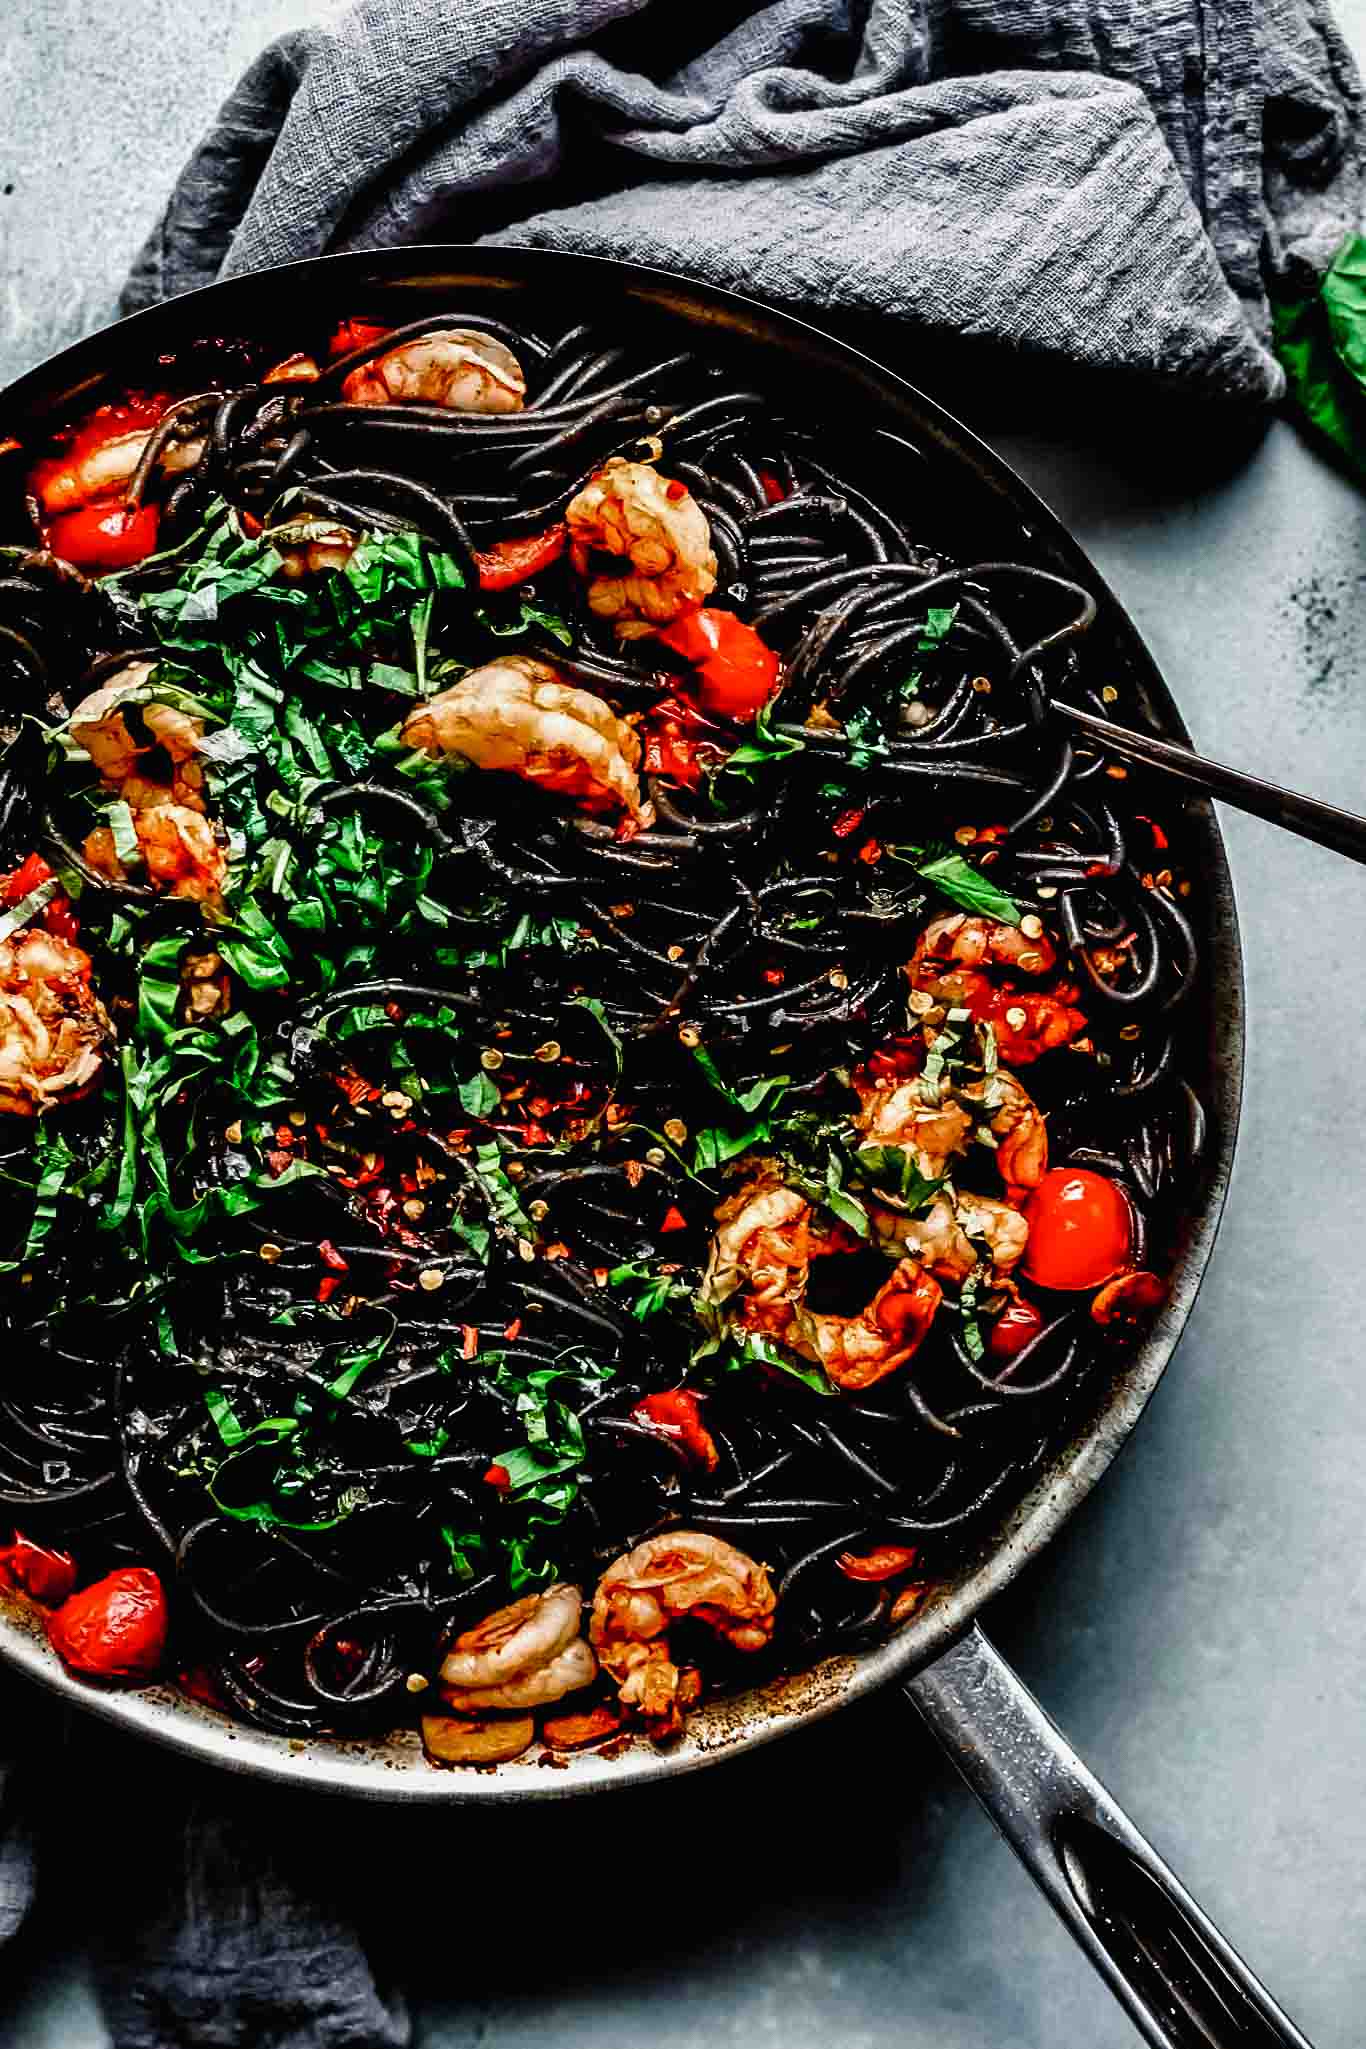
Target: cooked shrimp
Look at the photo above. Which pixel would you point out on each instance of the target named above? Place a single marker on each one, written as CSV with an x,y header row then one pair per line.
x,y
515,1640
943,1237
949,964
295,369
569,1670
515,715
98,464
1018,1126
893,1112
100,725
762,1245
656,541
764,1249
53,1027
957,941
640,1596
453,367
179,850
857,1351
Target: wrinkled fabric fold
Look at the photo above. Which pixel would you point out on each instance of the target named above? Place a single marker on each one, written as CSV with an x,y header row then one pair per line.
x,y
1102,182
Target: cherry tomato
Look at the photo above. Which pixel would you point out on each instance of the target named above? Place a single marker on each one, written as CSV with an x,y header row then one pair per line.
x,y
885,1561
1081,1230
15,886
58,917
1018,1324
1126,1302
115,1629
736,672
679,743
101,537
355,334
48,1575
510,562
676,1414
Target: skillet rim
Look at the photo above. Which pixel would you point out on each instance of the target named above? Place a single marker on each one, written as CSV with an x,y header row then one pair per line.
x,y
394,1768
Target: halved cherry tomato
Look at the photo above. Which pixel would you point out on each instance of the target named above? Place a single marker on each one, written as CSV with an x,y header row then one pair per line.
x,y
15,886
101,537
58,916
736,672
679,743
48,1575
1081,1230
115,1629
676,1414
510,562
355,334
1127,1301
1018,1324
885,1561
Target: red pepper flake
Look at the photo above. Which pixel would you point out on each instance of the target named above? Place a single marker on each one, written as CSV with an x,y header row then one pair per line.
x,y
675,489
469,1340
513,1329
499,1477
329,1255
284,1136
1100,868
1160,840
328,1286
773,490
775,976
847,822
674,1219
870,851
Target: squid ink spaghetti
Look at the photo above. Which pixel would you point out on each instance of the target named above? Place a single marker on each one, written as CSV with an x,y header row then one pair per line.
x,y
588,1079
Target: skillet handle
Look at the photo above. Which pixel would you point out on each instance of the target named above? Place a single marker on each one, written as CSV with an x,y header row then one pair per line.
x,y
1182,1985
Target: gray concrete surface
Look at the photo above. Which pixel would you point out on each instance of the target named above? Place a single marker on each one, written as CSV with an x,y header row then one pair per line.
x,y
1199,1628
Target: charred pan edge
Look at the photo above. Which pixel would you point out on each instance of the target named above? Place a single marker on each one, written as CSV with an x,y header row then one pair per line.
x,y
396,1769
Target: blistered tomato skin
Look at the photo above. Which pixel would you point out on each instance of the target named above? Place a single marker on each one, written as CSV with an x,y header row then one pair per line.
x,y
103,537
115,1629
47,1575
677,1414
1018,1324
508,563
1081,1230
736,671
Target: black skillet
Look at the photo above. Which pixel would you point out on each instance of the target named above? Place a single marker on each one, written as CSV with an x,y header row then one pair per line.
x,y
1178,1979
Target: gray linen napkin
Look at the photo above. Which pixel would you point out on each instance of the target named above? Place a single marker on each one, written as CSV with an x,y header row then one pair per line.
x,y
1098,183
1103,182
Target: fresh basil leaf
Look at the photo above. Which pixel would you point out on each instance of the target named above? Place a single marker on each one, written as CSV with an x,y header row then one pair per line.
x,y
955,877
